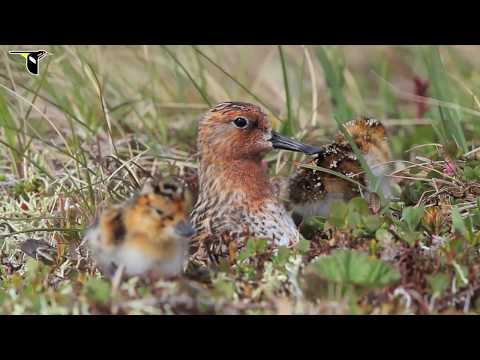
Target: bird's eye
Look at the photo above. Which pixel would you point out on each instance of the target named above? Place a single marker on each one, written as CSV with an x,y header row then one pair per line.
x,y
159,212
240,122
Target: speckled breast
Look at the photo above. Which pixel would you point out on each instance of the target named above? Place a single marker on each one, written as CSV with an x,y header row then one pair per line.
x,y
235,221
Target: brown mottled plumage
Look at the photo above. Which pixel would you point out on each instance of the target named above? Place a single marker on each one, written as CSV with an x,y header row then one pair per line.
x,y
236,198
147,234
311,192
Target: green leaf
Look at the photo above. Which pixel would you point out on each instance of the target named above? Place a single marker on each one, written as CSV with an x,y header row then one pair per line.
x,y
224,287
303,246
98,290
261,246
383,236
282,256
359,205
353,267
311,225
250,247
412,216
411,237
242,255
469,173
458,223
372,223
438,283
315,221
354,219
338,214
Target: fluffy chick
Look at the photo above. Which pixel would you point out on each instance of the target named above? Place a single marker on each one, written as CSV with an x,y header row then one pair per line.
x,y
147,235
312,192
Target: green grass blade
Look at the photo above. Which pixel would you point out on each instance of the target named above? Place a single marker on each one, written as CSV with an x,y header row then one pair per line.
x,y
6,121
33,162
202,93
288,127
450,124
238,83
333,72
301,89
201,69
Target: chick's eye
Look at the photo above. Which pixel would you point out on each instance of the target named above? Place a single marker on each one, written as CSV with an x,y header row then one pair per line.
x,y
170,187
240,122
159,212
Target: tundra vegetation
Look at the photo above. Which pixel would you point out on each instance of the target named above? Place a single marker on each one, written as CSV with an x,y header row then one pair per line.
x,y
98,120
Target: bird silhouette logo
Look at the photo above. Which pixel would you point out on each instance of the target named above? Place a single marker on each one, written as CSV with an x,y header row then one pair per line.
x,y
32,59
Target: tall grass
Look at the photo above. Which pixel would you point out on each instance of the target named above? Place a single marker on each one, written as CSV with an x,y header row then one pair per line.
x,y
100,120
289,123
448,125
90,96
334,76
333,70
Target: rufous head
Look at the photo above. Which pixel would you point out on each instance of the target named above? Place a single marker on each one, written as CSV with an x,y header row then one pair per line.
x,y
238,130
235,130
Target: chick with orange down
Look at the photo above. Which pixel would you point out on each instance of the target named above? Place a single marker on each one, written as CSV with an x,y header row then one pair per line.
x,y
146,235
236,199
312,192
